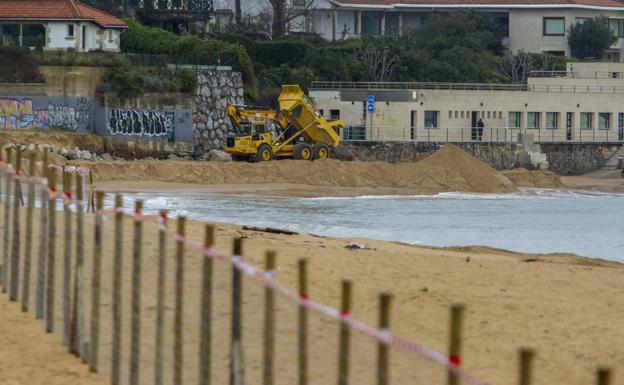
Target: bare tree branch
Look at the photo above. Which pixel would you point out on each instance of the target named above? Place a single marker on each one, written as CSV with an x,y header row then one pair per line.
x,y
378,62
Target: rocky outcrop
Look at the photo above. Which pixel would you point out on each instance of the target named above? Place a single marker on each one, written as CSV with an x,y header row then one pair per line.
x,y
215,88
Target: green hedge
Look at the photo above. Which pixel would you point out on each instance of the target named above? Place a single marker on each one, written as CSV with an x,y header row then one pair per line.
x,y
18,65
186,49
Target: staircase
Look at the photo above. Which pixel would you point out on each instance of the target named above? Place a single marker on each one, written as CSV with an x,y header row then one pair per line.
x,y
615,161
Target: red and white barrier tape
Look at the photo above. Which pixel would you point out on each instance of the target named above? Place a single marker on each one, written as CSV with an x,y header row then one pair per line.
x,y
382,335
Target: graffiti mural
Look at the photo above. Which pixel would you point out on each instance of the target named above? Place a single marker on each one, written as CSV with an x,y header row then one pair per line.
x,y
138,122
17,113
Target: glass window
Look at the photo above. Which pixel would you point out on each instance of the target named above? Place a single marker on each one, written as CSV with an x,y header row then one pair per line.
x,y
462,114
604,120
70,30
617,26
581,20
354,133
587,120
554,26
552,120
334,114
450,114
431,119
111,35
514,119
533,120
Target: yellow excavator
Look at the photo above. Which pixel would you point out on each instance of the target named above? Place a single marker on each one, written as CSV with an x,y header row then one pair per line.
x,y
297,130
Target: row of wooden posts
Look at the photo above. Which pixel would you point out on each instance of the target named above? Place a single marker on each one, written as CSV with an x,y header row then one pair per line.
x,y
75,334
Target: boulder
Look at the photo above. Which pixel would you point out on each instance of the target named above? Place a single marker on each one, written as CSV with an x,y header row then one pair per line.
x,y
218,156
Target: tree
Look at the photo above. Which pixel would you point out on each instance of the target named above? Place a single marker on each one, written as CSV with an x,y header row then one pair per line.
x,y
591,38
285,11
378,62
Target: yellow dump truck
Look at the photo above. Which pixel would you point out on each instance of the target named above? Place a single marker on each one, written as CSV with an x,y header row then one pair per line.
x,y
297,130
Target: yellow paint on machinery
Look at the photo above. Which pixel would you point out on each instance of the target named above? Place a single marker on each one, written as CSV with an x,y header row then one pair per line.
x,y
297,130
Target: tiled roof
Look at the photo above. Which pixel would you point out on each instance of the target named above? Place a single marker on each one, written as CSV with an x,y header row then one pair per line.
x,y
56,10
559,3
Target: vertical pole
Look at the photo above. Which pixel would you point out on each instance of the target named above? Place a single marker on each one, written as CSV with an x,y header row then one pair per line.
x,y
92,197
178,358
77,316
603,376
343,353
160,301
67,265
526,366
269,320
43,240
7,225
15,244
117,269
303,324
135,329
29,228
95,285
206,311
383,359
237,374
51,264
457,312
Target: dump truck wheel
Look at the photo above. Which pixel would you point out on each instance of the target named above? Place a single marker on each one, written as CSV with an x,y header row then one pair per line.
x,y
264,153
303,151
321,151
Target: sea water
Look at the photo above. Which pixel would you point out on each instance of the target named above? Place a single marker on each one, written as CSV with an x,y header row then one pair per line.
x,y
534,220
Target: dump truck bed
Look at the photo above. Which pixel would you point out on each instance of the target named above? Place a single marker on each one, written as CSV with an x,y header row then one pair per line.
x,y
303,115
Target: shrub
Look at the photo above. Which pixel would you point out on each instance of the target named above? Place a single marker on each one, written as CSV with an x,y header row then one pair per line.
x,y
591,38
18,65
184,81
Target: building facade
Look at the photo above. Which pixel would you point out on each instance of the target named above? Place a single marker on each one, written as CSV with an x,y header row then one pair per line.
x,y
583,104
532,26
58,25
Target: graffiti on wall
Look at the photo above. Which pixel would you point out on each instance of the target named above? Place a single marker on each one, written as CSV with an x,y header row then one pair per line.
x,y
18,113
138,122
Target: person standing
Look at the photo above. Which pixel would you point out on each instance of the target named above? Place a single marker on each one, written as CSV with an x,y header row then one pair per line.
x,y
480,126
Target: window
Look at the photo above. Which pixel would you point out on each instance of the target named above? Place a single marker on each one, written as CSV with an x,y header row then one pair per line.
x,y
431,119
450,114
554,26
581,20
322,112
413,121
554,53
604,120
533,120
587,120
334,114
552,120
456,114
462,114
617,26
354,133
514,119
111,35
70,30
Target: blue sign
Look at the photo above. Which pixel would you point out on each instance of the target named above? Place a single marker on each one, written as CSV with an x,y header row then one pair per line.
x,y
370,103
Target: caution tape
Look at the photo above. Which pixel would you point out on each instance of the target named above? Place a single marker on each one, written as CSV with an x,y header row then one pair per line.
x,y
383,336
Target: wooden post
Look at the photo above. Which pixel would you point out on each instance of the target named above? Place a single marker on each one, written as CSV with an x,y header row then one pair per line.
x,y
7,223
28,234
43,241
237,370
135,328
457,312
343,353
51,263
303,323
160,303
178,350
95,285
383,359
15,243
269,321
206,312
77,326
67,265
526,366
603,376
117,282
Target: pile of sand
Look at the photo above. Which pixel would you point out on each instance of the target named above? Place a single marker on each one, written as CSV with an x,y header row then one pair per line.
x,y
449,169
540,178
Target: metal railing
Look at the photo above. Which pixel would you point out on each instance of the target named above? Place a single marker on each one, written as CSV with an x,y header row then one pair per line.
x,y
578,75
330,85
487,135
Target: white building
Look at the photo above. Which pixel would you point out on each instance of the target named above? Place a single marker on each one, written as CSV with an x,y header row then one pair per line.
x,y
58,24
583,104
531,25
